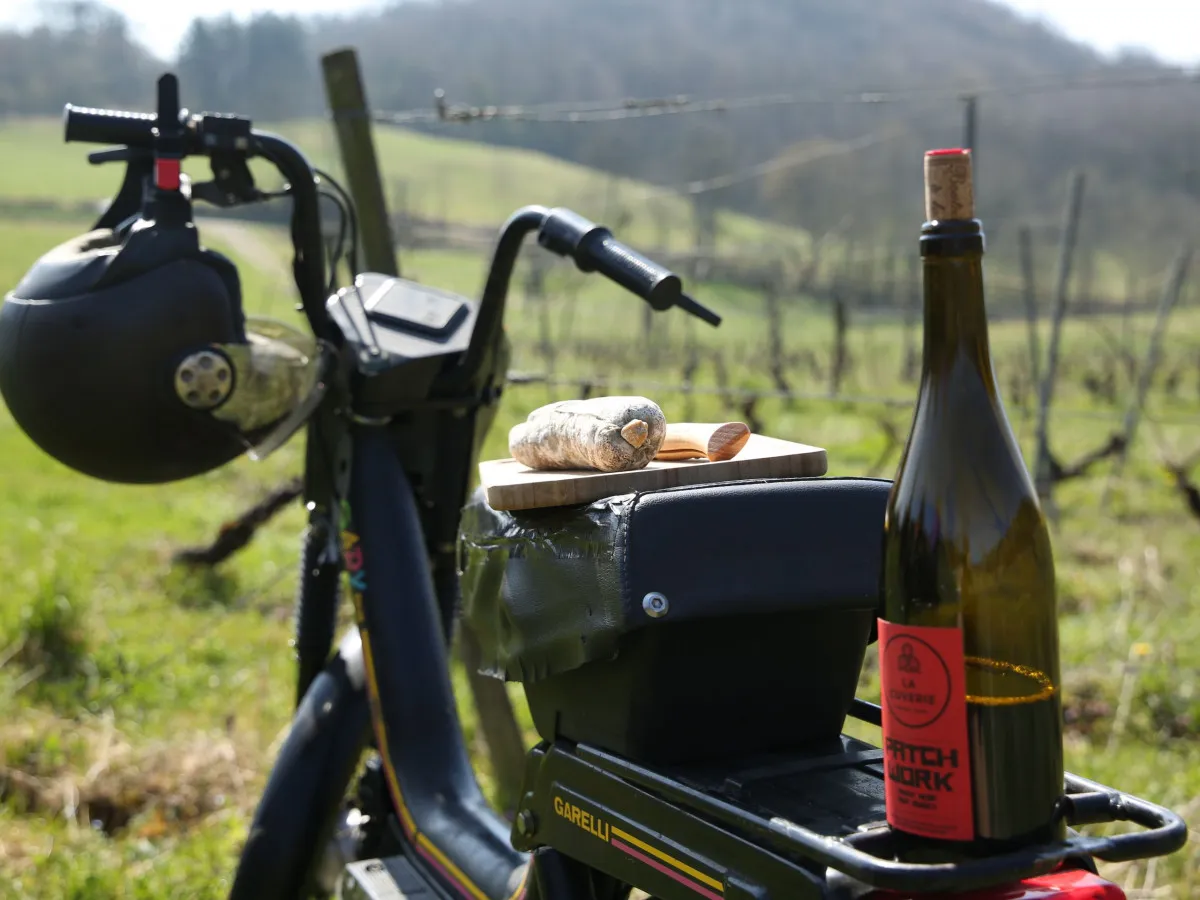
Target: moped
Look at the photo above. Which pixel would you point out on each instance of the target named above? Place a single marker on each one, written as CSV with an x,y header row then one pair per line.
x,y
690,655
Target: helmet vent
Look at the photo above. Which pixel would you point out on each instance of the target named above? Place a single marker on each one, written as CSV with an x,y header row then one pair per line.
x,y
204,380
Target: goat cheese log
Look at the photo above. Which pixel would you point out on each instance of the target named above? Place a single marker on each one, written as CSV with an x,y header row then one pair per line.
x,y
611,434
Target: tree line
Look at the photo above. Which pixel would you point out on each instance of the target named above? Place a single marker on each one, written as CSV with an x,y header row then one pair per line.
x,y
1138,145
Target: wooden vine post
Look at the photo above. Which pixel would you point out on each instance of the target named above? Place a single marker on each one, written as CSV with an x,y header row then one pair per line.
x,y
1066,249
1029,295
347,99
1172,289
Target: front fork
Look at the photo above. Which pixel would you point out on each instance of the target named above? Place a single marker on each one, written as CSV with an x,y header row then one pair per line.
x,y
300,806
316,600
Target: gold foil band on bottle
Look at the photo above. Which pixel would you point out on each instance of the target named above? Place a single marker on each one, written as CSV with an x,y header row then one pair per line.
x,y
1046,688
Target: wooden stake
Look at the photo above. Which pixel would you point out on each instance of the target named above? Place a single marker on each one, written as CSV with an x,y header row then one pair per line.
x,y
1062,279
691,362
497,721
1172,288
911,309
1029,292
347,100
970,132
1126,318
841,325
772,289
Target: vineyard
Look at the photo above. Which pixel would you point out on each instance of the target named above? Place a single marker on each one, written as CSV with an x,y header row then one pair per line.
x,y
143,701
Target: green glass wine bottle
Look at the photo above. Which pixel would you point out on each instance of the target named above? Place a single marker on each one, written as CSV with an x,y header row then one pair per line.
x,y
968,636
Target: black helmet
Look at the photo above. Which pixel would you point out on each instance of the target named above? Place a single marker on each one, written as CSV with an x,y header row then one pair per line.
x,y
125,354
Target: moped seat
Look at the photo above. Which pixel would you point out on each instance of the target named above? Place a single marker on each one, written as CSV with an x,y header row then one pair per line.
x,y
550,589
626,616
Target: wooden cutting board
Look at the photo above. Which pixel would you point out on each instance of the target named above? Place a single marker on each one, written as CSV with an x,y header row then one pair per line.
x,y
510,485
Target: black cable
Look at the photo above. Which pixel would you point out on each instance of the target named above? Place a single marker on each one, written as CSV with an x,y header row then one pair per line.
x,y
353,218
339,246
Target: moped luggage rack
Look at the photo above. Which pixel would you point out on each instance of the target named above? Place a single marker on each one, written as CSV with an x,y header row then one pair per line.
x,y
864,858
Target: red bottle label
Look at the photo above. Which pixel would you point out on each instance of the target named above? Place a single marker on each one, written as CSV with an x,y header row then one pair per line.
x,y
926,751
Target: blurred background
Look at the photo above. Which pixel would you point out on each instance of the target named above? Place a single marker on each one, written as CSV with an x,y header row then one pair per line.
x,y
770,151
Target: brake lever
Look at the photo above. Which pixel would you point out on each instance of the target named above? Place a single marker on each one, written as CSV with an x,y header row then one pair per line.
x,y
118,154
232,182
218,194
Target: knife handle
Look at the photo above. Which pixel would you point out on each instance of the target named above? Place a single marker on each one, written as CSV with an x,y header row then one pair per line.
x,y
696,440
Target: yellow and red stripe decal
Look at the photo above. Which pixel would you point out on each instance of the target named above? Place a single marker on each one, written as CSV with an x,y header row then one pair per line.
x,y
425,847
678,869
637,848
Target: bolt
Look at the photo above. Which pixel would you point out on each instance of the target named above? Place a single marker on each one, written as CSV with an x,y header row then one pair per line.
x,y
655,605
526,823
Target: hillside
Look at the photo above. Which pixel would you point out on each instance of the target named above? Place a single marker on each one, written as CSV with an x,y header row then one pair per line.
x,y
429,177
1136,144
445,178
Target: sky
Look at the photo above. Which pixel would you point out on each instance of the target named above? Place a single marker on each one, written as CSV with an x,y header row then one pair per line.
x,y
1170,29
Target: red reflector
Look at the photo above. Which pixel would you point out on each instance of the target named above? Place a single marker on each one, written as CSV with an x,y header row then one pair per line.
x,y
1073,884
166,174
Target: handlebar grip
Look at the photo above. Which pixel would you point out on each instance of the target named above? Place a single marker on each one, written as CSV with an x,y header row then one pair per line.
x,y
108,126
657,285
594,248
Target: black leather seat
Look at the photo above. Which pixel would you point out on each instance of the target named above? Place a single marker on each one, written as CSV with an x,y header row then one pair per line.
x,y
738,548
711,593
549,589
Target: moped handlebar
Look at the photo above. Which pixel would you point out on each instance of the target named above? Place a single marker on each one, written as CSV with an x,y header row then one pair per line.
x,y
594,248
208,134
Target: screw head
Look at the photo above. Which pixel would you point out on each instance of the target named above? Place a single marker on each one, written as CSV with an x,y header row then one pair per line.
x,y
526,822
655,605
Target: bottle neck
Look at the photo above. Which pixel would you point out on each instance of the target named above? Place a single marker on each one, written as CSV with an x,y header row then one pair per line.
x,y
956,329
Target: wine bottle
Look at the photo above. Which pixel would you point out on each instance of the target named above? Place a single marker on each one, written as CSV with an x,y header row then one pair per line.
x,y
968,635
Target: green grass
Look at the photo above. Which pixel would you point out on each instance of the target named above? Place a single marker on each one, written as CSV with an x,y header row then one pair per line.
x,y
126,677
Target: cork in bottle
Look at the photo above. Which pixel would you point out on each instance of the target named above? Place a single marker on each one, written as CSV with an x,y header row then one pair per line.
x,y
949,193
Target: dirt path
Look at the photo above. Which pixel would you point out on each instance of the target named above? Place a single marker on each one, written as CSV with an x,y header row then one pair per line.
x,y
250,245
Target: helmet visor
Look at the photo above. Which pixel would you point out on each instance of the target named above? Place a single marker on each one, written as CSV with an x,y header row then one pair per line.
x,y
278,381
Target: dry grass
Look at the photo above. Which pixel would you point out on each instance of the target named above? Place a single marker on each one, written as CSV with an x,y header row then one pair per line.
x,y
133,788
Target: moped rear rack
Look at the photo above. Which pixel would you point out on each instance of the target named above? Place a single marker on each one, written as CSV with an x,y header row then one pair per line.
x,y
795,826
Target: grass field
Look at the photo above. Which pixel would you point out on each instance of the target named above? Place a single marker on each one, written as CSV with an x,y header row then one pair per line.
x,y
442,178
140,707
